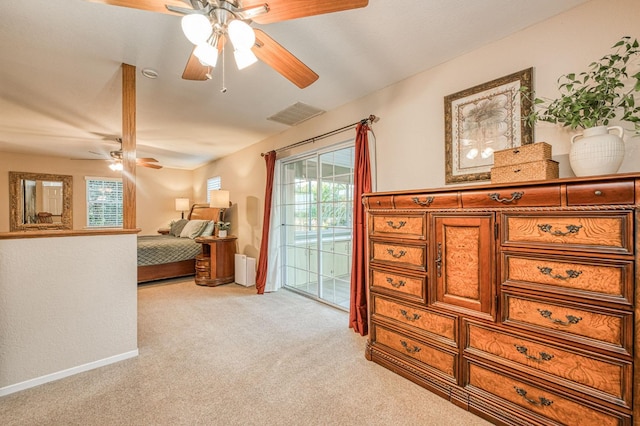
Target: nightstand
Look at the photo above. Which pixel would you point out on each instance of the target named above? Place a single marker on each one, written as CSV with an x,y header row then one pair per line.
x,y
215,263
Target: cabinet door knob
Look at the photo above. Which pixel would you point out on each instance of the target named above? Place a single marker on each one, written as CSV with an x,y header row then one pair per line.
x,y
571,229
571,319
398,284
411,349
396,255
541,402
525,351
515,196
598,193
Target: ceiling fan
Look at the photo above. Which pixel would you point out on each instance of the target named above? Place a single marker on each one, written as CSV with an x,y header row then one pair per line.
x,y
117,159
209,23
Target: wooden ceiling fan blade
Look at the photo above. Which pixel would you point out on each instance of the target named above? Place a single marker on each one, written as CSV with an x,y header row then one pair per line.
x,y
151,5
150,165
194,70
280,59
282,10
146,160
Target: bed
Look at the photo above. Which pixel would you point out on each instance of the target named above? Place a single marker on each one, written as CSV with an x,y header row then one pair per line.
x,y
170,256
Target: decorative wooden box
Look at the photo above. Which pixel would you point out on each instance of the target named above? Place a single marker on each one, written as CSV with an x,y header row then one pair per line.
x,y
523,154
534,170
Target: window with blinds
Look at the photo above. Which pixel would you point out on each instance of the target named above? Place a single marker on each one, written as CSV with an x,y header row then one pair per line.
x,y
212,184
104,202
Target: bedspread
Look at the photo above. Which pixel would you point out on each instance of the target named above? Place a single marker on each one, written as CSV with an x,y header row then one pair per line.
x,y
159,249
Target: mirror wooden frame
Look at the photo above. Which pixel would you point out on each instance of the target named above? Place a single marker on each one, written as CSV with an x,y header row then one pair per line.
x,y
16,201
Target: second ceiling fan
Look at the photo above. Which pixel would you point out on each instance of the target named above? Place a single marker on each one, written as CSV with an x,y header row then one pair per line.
x,y
208,24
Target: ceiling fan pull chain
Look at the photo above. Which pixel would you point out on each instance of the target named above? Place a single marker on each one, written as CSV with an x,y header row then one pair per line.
x,y
224,87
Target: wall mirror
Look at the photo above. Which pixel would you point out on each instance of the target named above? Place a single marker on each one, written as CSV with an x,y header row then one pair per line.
x,y
40,201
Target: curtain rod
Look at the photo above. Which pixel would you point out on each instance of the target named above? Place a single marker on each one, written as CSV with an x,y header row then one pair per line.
x,y
371,119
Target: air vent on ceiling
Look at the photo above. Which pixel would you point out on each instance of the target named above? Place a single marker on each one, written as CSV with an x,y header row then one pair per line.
x,y
295,114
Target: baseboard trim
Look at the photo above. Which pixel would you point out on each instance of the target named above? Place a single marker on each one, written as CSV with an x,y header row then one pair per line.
x,y
66,373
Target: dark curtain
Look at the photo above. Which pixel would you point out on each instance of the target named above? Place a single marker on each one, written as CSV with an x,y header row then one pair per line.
x,y
261,276
361,185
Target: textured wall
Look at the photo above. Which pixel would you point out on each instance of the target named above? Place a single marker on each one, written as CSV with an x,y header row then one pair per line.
x,y
65,302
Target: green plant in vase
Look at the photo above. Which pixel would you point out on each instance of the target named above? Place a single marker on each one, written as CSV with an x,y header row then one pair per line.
x,y
223,228
590,100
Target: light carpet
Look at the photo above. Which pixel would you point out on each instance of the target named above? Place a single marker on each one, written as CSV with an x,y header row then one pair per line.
x,y
227,356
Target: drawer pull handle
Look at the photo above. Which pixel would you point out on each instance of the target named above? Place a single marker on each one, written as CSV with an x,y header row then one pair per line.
x,y
571,229
514,197
408,317
398,226
439,260
541,402
398,284
570,273
524,351
411,350
397,256
426,203
571,319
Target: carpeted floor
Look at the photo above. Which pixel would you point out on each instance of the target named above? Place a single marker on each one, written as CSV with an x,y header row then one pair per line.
x,y
226,356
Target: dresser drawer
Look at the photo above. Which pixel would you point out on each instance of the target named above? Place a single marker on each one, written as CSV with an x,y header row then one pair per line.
x,y
379,202
605,378
544,196
609,232
428,355
439,326
412,256
605,328
427,201
550,404
600,193
412,226
595,279
404,286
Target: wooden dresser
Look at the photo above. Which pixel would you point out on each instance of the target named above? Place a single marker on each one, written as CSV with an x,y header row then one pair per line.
x,y
517,302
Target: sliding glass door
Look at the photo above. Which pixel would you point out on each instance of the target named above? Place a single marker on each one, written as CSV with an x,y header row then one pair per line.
x,y
317,205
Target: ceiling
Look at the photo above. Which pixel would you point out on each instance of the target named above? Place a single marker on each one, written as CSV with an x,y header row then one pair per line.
x,y
60,82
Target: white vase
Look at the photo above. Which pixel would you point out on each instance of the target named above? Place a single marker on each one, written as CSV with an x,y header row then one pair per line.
x,y
222,233
596,151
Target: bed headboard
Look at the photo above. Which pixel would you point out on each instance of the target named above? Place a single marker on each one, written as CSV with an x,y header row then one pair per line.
x,y
203,212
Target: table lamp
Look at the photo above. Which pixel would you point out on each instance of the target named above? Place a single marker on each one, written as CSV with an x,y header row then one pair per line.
x,y
182,204
219,199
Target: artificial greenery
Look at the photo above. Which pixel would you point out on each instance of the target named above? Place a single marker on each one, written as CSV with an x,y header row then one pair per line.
x,y
594,97
223,226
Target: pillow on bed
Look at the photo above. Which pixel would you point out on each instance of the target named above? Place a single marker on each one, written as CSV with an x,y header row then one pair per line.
x,y
176,227
208,230
193,228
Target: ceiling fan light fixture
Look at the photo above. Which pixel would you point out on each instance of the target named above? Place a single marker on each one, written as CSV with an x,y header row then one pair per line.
x,y
116,166
244,58
207,54
196,28
241,35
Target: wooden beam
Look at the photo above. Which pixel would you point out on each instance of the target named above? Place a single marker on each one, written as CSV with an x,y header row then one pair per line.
x,y
128,146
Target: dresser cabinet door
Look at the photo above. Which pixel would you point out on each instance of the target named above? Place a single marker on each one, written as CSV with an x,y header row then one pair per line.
x,y
463,253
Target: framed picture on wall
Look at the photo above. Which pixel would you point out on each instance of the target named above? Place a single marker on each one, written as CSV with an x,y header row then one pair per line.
x,y
484,119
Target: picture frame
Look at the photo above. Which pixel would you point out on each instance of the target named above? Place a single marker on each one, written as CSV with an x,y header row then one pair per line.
x,y
484,119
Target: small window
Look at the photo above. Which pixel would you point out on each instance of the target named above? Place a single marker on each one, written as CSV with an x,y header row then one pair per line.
x,y
104,202
213,184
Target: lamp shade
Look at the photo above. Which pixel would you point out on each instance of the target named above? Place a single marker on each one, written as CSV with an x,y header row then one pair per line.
x,y
241,34
196,28
219,199
182,204
207,54
244,58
